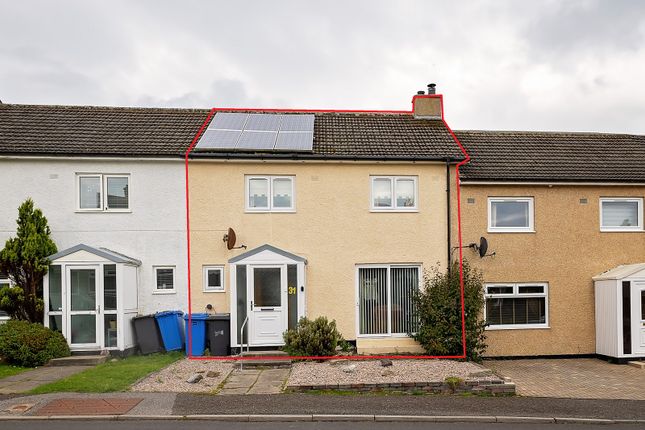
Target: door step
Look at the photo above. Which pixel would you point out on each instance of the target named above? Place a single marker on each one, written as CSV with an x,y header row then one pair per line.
x,y
272,359
78,360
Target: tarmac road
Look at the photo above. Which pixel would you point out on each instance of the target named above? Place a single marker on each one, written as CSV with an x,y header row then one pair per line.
x,y
211,425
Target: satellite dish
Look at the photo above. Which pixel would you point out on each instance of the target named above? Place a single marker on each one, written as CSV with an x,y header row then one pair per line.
x,y
483,247
230,238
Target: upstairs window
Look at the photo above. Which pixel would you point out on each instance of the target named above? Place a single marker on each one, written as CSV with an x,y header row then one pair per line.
x,y
103,193
394,193
624,214
510,214
270,194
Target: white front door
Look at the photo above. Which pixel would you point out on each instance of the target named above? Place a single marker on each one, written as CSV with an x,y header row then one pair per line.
x,y
267,292
83,306
638,316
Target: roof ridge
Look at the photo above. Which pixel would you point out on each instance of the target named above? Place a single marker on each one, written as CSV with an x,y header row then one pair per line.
x,y
551,132
95,107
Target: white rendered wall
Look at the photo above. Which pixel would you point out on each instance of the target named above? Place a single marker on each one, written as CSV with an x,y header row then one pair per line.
x,y
153,232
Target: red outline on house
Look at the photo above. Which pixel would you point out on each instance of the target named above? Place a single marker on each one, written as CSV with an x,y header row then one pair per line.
x,y
350,357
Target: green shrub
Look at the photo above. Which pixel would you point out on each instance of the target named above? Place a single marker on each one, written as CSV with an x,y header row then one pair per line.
x,y
438,306
30,344
314,338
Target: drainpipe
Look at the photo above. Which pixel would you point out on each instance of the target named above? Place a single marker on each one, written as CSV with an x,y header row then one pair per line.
x,y
448,233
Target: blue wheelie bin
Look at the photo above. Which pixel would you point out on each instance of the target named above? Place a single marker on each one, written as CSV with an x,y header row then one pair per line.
x,y
197,333
171,329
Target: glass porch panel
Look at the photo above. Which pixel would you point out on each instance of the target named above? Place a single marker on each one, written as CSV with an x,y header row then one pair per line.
x,y
56,322
292,294
83,286
83,328
109,287
643,305
372,299
110,330
266,287
55,288
241,300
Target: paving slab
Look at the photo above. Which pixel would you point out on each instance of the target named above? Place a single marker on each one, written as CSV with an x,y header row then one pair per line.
x,y
579,378
31,379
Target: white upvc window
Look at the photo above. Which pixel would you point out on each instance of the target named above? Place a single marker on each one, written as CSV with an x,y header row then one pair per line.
x,y
270,193
164,277
5,281
621,214
517,305
213,279
510,215
103,192
384,299
393,193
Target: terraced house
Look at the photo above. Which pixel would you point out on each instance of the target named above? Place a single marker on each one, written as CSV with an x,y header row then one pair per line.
x,y
563,213
111,183
338,212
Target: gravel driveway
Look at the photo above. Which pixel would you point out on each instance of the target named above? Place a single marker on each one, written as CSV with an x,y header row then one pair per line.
x,y
173,378
371,371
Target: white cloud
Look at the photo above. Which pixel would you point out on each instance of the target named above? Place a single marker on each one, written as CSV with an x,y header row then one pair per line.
x,y
500,64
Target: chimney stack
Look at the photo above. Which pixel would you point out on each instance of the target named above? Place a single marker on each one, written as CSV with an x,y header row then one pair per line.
x,y
428,106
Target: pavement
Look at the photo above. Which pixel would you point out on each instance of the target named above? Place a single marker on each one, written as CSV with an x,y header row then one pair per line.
x,y
27,381
575,378
255,381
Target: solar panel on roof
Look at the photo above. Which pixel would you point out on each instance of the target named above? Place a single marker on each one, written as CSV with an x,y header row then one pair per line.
x,y
294,141
297,122
258,132
219,139
228,121
263,122
259,140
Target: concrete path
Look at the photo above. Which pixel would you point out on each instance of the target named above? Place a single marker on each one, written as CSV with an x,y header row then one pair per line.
x,y
31,379
580,378
255,381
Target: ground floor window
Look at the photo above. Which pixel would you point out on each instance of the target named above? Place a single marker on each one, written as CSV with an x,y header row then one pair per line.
x,y
517,305
164,279
385,299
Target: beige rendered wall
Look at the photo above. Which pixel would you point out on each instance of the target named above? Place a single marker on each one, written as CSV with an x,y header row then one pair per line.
x,y
332,227
566,250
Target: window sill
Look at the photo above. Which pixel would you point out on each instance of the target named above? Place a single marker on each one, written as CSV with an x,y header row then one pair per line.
x,y
621,230
98,211
518,327
383,336
214,291
394,210
511,231
162,292
263,211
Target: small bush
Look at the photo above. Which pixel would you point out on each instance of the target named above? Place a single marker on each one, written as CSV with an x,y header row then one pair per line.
x,y
438,307
314,338
30,344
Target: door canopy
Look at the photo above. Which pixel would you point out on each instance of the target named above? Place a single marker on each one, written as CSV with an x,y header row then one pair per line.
x,y
267,253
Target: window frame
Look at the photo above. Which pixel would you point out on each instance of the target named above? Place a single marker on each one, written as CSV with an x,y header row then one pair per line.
x,y
172,290
517,295
393,181
205,286
531,220
388,267
103,180
637,228
269,208
6,281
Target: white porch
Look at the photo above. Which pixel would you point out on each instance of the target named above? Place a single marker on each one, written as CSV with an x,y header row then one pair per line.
x,y
268,297
91,296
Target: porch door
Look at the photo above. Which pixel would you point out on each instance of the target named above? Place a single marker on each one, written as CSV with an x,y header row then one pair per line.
x,y
267,292
638,324
83,323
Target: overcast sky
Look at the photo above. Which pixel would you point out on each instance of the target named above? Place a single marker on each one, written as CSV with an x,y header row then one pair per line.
x,y
534,65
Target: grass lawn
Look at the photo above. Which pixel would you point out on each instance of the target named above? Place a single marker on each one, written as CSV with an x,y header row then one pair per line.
x,y
111,376
9,369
